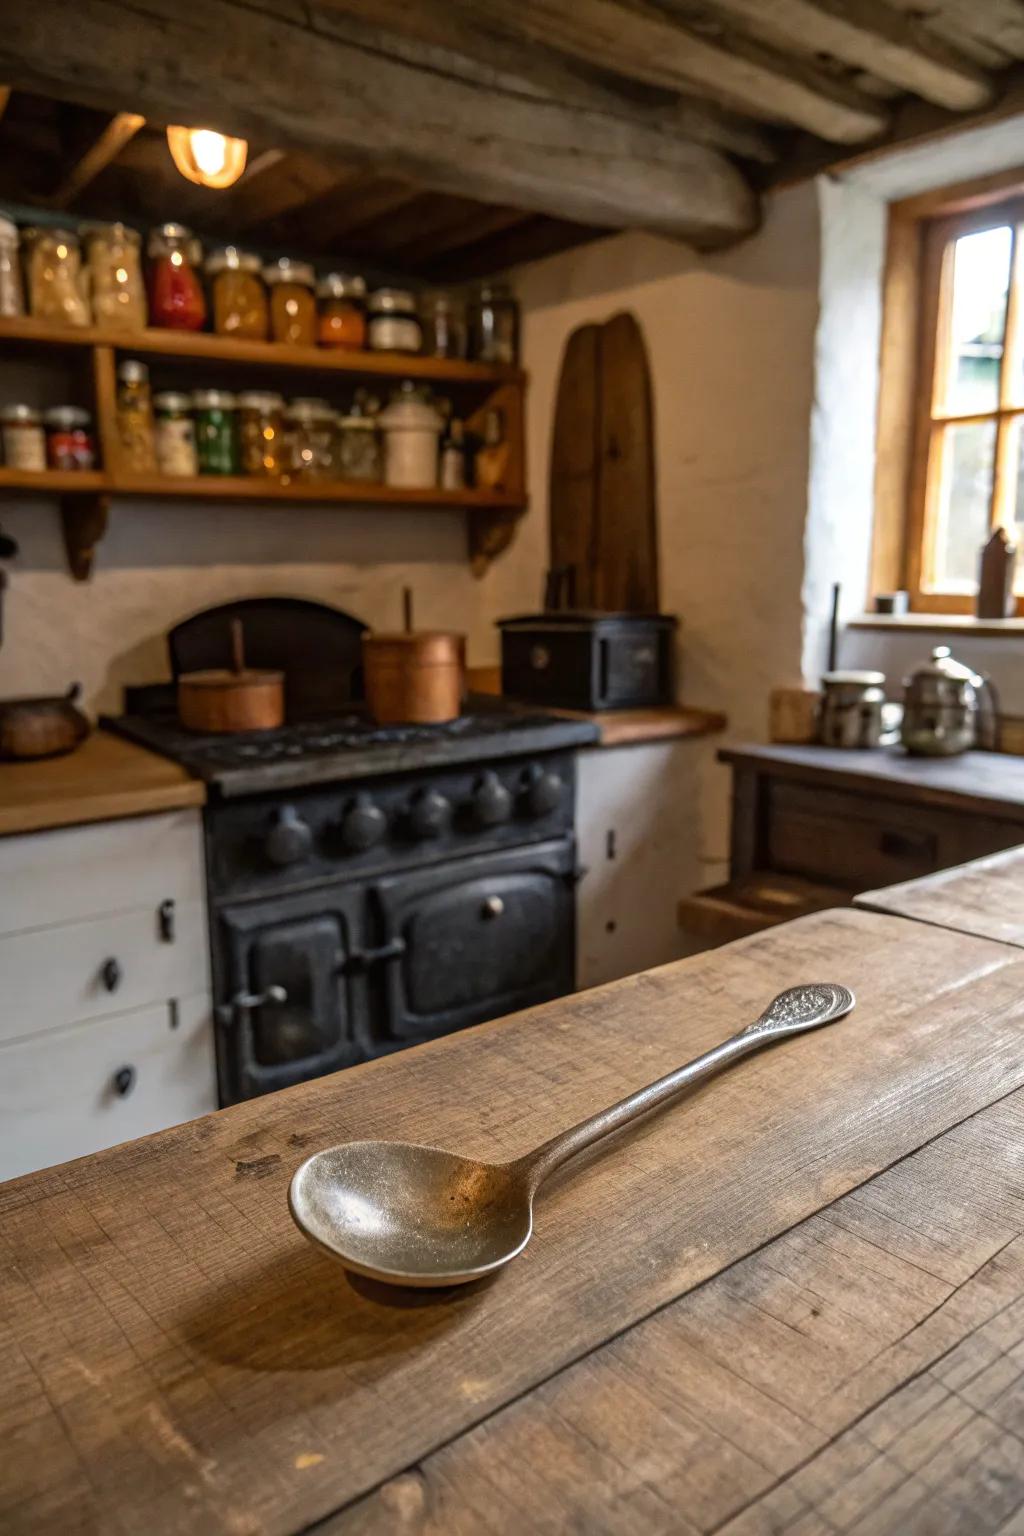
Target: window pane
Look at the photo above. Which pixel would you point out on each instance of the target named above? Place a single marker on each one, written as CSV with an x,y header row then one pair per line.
x,y
964,493
981,272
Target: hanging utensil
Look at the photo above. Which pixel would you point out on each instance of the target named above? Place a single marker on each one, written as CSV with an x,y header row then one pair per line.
x,y
419,1216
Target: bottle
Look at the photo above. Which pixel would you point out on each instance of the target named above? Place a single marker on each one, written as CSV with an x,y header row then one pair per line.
x,y
995,598
491,463
453,456
135,418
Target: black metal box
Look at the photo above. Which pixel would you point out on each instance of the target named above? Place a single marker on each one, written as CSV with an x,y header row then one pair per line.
x,y
589,661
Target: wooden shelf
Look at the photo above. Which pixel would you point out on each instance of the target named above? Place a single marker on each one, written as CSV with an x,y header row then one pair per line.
x,y
202,347
85,497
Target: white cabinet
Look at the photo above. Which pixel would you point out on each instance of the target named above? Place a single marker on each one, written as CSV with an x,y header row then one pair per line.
x,y
638,835
105,1018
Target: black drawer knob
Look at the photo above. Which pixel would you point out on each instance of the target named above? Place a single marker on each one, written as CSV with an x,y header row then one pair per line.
x,y
111,974
542,790
429,813
492,803
123,1081
289,839
363,825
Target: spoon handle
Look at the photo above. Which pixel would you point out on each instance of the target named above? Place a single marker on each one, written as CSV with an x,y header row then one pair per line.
x,y
791,1012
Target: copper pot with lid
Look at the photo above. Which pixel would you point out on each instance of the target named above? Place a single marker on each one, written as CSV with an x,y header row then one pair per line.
x,y
414,677
236,699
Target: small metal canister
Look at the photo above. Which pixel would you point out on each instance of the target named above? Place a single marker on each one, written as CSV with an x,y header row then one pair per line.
x,y
942,702
851,709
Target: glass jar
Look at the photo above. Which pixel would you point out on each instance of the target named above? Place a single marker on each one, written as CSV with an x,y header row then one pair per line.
x,y
445,333
135,418
359,448
176,299
115,277
69,443
310,427
216,431
496,325
175,434
342,311
56,282
260,433
411,424
239,297
12,298
392,322
292,302
23,437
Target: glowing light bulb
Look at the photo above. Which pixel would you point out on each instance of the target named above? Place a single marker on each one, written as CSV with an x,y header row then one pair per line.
x,y
210,151
209,158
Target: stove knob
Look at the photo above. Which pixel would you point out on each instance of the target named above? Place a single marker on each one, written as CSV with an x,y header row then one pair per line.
x,y
362,825
429,813
542,790
289,839
492,803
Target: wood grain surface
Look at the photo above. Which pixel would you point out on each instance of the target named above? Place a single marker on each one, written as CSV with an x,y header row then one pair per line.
x,y
985,897
174,1357
107,777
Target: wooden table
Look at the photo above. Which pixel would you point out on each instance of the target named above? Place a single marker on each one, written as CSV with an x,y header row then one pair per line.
x,y
984,897
794,1303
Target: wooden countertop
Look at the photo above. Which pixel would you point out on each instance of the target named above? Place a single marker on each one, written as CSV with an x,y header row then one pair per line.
x,y
622,727
725,1317
984,897
106,778
992,782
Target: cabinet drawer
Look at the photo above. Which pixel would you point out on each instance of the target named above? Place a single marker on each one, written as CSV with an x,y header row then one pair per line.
x,y
58,1097
55,976
78,872
860,842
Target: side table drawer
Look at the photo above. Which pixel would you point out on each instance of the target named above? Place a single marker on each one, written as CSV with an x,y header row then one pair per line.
x,y
92,1085
55,976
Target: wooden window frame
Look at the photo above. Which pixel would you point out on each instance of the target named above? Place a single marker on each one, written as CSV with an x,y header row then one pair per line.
x,y
909,430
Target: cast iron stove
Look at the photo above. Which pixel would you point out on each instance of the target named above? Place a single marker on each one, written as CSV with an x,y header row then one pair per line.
x,y
368,887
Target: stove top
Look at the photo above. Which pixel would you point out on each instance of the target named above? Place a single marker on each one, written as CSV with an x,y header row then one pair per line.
x,y
347,746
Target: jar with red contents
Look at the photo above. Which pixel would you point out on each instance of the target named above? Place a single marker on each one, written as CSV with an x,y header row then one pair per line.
x,y
69,442
176,299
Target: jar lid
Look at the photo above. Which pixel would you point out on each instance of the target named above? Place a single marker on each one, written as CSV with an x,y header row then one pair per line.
x,y
213,400
442,302
312,403
231,259
309,410
284,270
133,372
387,301
19,412
489,291
260,400
172,231
66,416
362,423
341,285
61,236
172,400
115,231
855,679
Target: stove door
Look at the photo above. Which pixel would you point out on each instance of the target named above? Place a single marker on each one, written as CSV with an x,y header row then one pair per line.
x,y
290,1004
477,938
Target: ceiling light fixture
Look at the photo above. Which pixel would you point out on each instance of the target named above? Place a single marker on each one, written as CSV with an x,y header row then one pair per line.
x,y
208,158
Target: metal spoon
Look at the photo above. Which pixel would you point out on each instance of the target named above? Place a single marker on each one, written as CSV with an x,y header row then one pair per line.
x,y
418,1216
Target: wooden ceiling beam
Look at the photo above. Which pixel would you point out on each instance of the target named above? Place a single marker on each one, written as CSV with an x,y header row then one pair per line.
x,y
455,31
529,240
279,79
480,224
636,41
101,152
874,36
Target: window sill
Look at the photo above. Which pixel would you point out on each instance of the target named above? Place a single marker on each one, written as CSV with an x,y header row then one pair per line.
x,y
940,623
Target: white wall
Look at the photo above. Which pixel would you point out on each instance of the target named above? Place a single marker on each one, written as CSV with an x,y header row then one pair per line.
x,y
731,344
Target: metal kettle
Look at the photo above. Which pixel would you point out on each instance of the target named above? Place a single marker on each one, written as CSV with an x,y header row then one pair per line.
x,y
943,705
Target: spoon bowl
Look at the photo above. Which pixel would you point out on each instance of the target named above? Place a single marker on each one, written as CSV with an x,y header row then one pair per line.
x,y
412,1215
418,1216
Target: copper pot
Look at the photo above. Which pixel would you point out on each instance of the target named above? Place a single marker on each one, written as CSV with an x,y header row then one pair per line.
x,y
415,678
43,727
241,699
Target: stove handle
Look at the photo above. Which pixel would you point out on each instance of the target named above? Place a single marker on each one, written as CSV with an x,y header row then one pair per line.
x,y
360,959
243,1002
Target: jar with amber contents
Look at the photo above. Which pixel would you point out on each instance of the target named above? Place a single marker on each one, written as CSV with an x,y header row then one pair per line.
x,y
239,297
56,283
292,302
115,274
342,311
261,432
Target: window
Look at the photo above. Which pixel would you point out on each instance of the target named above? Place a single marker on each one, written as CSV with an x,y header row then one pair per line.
x,y
951,457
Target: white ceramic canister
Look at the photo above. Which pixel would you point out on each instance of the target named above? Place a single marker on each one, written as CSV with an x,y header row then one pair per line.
x,y
412,432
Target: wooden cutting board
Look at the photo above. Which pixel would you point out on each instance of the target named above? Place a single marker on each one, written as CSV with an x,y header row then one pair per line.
x,y
602,491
